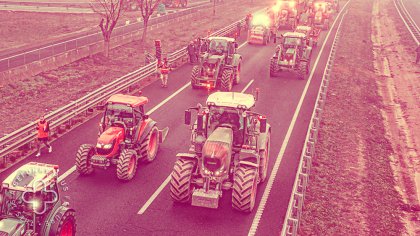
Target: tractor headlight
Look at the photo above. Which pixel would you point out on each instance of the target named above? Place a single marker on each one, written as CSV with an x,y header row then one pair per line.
x,y
104,146
107,146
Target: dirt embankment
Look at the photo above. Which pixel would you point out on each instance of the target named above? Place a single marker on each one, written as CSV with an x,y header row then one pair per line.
x,y
26,98
400,91
352,186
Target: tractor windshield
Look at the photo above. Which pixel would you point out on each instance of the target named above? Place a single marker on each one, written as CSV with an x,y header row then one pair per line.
x,y
19,203
118,112
218,46
292,41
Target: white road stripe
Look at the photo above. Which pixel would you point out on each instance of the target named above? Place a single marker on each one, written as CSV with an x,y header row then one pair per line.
x,y
73,168
276,166
154,196
166,182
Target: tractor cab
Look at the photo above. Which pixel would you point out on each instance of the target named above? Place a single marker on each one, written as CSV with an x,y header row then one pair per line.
x,y
222,46
123,111
30,198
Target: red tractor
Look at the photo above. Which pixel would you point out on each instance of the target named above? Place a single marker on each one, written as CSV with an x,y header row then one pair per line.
x,y
312,34
321,15
287,14
127,135
259,32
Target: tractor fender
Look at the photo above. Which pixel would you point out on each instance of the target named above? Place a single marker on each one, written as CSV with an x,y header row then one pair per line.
x,y
144,130
187,156
262,138
54,218
248,157
236,60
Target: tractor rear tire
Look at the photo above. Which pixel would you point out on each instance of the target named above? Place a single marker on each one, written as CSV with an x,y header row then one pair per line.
x,y
150,146
237,74
226,81
194,75
83,156
244,189
181,187
127,165
64,224
302,70
273,67
265,157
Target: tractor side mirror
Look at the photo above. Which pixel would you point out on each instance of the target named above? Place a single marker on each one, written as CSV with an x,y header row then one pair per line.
x,y
187,119
236,45
263,124
145,117
199,122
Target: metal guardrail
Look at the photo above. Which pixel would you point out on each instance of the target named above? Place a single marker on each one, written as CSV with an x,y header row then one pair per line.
x,y
294,210
408,20
72,44
64,115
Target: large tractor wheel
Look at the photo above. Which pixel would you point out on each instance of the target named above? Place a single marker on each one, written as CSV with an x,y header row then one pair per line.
x,y
303,69
150,146
265,157
63,225
244,189
194,75
237,75
83,156
181,188
226,81
127,165
273,67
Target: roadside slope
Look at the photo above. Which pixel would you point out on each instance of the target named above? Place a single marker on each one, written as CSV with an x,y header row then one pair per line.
x,y
351,189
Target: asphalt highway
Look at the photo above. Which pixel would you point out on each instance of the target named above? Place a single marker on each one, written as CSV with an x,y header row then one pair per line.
x,y
106,206
413,8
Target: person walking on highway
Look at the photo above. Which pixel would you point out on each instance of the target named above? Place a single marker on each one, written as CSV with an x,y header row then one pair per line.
x,y
418,54
43,129
164,72
191,52
238,29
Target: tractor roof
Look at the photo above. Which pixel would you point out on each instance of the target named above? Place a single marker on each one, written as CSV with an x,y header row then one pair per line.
x,y
132,101
294,35
222,38
303,27
32,177
231,99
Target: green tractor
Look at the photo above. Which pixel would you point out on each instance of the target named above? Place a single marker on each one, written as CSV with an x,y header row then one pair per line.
x,y
219,66
293,54
229,150
30,203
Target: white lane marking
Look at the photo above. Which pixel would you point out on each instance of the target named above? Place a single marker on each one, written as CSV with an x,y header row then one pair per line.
x,y
67,173
247,86
166,182
73,168
168,98
276,166
154,196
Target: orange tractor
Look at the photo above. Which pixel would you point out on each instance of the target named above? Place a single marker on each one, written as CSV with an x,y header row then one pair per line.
x,y
126,136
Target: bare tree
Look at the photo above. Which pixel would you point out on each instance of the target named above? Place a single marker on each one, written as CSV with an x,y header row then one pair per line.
x,y
110,11
147,7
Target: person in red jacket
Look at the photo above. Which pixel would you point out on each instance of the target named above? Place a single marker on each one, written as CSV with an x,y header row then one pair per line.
x,y
164,72
43,128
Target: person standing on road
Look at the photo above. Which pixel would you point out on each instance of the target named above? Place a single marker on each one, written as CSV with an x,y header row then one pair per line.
x,y
164,72
43,128
191,52
238,29
418,54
